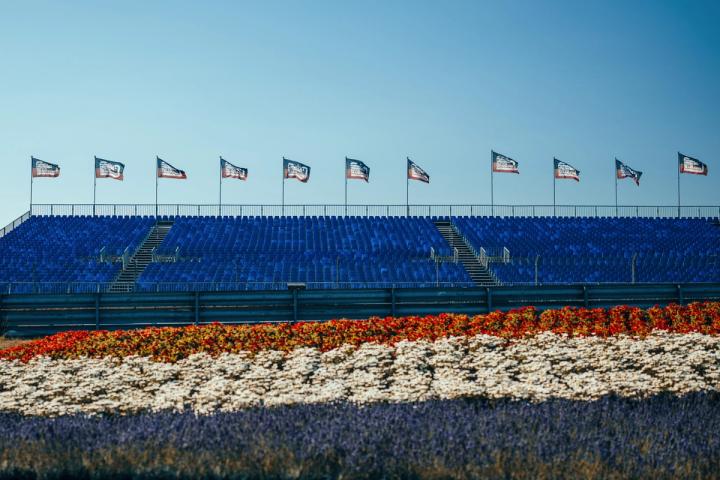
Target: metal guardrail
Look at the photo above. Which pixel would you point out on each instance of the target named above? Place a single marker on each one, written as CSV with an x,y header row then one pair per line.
x,y
178,210
14,224
32,315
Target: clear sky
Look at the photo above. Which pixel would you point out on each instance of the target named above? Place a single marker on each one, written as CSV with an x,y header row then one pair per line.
x,y
442,82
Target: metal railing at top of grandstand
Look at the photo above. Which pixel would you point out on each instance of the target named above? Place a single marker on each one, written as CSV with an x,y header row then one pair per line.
x,y
14,224
339,210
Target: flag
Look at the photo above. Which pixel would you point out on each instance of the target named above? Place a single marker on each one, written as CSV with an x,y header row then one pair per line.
x,y
414,172
691,165
565,170
501,163
293,169
165,170
228,170
109,169
623,171
41,168
356,169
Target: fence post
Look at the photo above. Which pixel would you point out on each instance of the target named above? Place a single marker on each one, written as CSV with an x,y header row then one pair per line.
x,y
634,259
585,296
197,307
295,305
392,301
680,298
97,311
537,260
488,297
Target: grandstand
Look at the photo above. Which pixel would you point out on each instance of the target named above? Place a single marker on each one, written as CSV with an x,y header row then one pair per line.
x,y
49,253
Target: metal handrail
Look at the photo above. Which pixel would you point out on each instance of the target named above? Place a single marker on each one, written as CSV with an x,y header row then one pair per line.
x,y
14,224
386,210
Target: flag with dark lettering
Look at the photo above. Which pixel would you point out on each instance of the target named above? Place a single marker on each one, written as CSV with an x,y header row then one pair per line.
x,y
109,169
565,170
623,171
41,168
503,164
165,170
691,165
356,169
228,170
414,172
297,170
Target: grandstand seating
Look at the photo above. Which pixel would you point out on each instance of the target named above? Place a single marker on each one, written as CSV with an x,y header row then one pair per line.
x,y
62,254
58,251
260,252
575,250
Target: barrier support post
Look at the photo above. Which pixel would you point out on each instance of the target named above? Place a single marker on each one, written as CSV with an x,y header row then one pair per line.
x,y
97,311
197,308
392,301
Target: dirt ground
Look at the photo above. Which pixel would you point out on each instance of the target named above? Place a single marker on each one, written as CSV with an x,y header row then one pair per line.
x,y
7,342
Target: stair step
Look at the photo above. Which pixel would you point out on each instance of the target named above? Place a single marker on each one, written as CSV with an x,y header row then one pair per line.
x,y
478,273
141,259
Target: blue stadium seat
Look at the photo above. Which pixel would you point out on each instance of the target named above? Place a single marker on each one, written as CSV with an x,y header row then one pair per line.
x,y
588,250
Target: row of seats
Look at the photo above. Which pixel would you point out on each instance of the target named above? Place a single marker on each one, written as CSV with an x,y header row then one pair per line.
x,y
64,253
68,249
573,250
313,250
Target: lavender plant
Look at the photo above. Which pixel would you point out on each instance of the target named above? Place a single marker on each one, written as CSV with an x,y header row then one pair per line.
x,y
659,437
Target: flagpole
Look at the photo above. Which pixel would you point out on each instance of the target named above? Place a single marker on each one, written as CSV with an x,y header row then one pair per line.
x,y
678,184
554,183
283,187
221,177
407,191
31,183
346,186
157,161
492,194
94,186
616,189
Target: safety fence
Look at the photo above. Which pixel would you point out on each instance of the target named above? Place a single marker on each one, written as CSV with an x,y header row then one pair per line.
x,y
32,315
184,210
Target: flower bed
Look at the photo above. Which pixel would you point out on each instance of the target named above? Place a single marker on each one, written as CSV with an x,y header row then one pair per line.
x,y
662,437
173,344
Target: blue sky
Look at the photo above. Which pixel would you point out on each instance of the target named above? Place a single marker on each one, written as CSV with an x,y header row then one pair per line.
x,y
442,82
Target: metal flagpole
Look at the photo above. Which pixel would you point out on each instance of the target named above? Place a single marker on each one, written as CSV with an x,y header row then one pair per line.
x,y
157,176
554,182
221,177
94,186
346,159
616,187
283,187
492,194
31,184
678,182
407,190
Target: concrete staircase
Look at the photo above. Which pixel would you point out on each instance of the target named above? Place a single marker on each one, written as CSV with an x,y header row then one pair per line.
x,y
126,279
478,273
